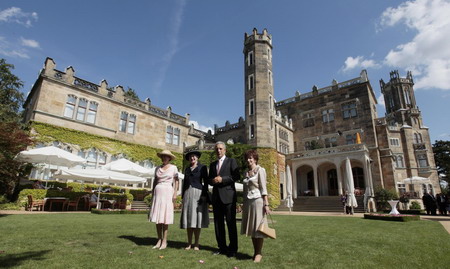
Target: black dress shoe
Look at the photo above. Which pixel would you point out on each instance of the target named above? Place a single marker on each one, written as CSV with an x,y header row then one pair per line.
x,y
231,255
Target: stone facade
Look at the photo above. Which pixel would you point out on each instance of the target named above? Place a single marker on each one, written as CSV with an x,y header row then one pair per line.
x,y
316,133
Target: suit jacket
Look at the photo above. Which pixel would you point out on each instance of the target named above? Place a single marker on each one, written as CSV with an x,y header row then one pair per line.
x,y
225,191
196,178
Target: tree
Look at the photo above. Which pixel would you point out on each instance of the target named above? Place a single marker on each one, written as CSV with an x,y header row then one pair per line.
x,y
441,151
13,138
11,99
130,93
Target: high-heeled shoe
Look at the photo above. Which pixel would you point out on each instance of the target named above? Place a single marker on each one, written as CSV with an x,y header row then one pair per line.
x,y
158,245
163,245
257,258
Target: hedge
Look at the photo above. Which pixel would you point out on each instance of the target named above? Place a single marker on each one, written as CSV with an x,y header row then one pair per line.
x,y
402,218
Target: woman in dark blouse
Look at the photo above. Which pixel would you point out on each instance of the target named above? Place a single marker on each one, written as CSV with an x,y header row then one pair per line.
x,y
194,214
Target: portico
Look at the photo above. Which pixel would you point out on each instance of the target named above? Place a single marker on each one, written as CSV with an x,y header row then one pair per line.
x,y
321,172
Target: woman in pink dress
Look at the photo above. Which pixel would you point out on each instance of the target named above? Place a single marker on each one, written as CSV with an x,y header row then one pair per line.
x,y
165,187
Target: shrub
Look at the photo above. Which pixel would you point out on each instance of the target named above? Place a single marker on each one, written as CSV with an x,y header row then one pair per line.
x,y
148,199
118,211
403,218
10,206
382,196
415,205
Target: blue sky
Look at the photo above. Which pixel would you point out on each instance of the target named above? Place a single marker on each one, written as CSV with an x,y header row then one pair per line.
x,y
187,54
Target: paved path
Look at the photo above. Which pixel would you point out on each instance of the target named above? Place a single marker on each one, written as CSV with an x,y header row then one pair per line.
x,y
444,220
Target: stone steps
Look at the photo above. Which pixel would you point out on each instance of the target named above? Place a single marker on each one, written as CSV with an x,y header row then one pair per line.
x,y
320,204
139,205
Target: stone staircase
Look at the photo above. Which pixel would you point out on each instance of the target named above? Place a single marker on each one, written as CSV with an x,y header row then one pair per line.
x,y
320,204
139,205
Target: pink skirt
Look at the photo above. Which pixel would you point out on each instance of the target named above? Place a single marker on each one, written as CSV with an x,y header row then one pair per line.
x,y
162,205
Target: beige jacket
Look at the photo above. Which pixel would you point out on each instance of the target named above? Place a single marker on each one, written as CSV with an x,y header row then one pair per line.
x,y
256,185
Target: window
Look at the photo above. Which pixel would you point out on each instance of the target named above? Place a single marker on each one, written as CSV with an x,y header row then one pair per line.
x,y
269,55
81,111
350,139
394,142
330,142
250,58
349,110
399,162
123,121
92,113
269,77
417,138
407,97
422,159
401,188
251,82
251,107
284,135
308,120
252,131
169,134
70,106
131,124
91,158
283,148
127,123
172,135
176,136
270,102
327,115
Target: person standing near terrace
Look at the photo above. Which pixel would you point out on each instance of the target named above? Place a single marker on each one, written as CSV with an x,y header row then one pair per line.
x,y
223,173
194,213
165,186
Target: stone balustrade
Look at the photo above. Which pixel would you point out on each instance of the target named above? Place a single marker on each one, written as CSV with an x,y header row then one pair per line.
x,y
329,151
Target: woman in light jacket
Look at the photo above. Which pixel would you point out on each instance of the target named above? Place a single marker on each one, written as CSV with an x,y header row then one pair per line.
x,y
256,203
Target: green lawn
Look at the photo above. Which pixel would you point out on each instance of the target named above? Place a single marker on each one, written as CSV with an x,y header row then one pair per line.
x,y
125,241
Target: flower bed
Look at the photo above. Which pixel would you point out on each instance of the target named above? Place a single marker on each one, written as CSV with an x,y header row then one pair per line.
x,y
407,212
389,217
118,211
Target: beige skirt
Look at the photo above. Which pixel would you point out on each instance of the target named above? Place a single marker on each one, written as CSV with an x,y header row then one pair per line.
x,y
252,215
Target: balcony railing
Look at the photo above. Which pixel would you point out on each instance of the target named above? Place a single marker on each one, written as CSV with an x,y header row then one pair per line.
x,y
329,151
419,146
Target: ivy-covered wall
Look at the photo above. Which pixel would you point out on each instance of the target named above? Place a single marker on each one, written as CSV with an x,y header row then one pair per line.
x,y
48,133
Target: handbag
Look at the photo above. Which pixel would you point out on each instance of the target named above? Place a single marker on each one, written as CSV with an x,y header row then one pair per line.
x,y
266,230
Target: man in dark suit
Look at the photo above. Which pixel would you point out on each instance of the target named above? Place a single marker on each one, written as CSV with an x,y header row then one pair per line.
x,y
223,173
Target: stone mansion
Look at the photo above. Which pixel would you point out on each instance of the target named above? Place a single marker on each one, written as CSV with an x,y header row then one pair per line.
x,y
314,132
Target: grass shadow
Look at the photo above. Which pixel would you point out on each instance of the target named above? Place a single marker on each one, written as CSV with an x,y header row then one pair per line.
x,y
13,260
151,241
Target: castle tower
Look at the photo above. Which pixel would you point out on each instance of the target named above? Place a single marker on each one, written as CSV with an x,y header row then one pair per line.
x,y
400,101
259,102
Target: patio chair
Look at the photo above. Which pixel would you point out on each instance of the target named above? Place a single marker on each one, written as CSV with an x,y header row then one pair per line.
x,y
121,203
73,203
39,204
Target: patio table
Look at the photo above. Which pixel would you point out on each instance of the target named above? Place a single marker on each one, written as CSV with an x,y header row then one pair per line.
x,y
57,200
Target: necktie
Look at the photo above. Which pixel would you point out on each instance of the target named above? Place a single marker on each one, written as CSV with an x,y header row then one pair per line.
x,y
219,165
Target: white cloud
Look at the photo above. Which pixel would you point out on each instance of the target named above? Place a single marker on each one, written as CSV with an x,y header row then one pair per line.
x,y
427,55
16,15
174,31
29,43
7,50
380,100
358,62
201,127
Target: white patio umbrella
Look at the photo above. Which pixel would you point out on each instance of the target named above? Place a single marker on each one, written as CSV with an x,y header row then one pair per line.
x,y
104,176
351,199
128,167
50,156
289,201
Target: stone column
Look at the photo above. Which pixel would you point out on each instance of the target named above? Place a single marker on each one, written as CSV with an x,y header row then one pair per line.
x,y
316,181
339,176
